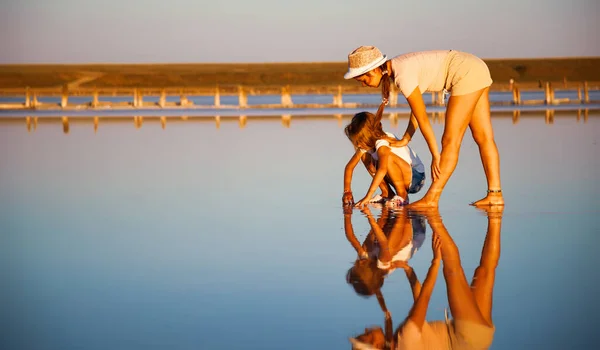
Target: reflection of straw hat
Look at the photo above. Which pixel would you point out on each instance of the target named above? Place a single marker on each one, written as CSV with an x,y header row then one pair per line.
x,y
358,345
362,60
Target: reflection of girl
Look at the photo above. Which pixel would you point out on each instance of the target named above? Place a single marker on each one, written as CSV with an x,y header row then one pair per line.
x,y
391,242
389,245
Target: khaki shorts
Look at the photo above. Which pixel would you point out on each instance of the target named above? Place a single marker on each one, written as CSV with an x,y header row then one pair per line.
x,y
466,73
470,335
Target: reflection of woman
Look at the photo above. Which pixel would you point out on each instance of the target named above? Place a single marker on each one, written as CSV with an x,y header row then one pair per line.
x,y
468,79
471,326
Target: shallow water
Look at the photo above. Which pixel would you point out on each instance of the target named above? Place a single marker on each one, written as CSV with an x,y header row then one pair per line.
x,y
197,237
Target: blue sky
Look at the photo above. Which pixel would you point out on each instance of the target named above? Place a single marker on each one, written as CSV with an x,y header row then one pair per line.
x,y
81,31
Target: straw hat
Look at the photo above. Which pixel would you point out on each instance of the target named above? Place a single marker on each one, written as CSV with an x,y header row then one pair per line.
x,y
362,60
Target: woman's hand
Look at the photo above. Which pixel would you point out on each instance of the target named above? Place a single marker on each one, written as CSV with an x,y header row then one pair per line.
x,y
435,168
400,143
347,198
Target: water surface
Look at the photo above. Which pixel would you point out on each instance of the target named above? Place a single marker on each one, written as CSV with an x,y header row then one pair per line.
x,y
198,237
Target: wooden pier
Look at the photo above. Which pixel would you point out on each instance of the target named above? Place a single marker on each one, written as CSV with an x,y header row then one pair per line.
x,y
149,98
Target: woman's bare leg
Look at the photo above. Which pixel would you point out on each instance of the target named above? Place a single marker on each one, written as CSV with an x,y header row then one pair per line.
x,y
483,134
485,274
458,116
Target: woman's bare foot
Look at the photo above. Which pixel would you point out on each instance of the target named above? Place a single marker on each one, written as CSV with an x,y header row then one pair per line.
x,y
490,199
430,200
423,203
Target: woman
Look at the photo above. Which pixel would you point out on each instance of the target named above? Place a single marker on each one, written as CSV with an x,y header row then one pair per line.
x,y
467,78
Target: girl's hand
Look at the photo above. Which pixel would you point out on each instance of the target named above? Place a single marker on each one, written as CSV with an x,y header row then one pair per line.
x,y
347,198
361,203
435,168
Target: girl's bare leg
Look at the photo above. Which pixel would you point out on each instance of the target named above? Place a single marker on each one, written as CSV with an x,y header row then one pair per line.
x,y
458,116
399,174
483,134
463,305
485,274
371,166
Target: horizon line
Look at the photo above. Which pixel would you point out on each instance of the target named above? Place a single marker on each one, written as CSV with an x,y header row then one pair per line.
x,y
265,62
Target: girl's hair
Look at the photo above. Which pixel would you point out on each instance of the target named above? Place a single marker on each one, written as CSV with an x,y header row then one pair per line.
x,y
366,279
365,129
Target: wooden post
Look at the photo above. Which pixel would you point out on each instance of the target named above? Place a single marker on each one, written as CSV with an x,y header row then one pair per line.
x,y
162,101
28,123
183,100
516,95
218,121
34,100
163,122
586,96
95,98
65,96
65,124
549,116
242,122
286,120
96,122
549,94
135,99
578,115
579,92
511,83
393,119
441,100
585,115
564,82
217,97
516,116
338,99
242,98
433,98
140,97
393,95
339,118
27,98
286,97
35,121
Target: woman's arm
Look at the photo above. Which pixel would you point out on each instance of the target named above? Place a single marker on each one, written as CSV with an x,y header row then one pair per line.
x,y
419,310
417,106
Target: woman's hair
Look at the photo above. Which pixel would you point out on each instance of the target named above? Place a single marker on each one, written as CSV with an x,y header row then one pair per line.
x,y
365,129
385,82
365,277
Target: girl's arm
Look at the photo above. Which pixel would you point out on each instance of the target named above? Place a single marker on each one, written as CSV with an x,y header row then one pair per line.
x,y
417,106
383,154
351,236
347,197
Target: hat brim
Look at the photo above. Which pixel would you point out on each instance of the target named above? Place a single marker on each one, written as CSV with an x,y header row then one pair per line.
x,y
354,72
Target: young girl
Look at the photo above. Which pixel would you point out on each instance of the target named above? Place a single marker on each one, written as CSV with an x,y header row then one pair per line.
x,y
398,166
